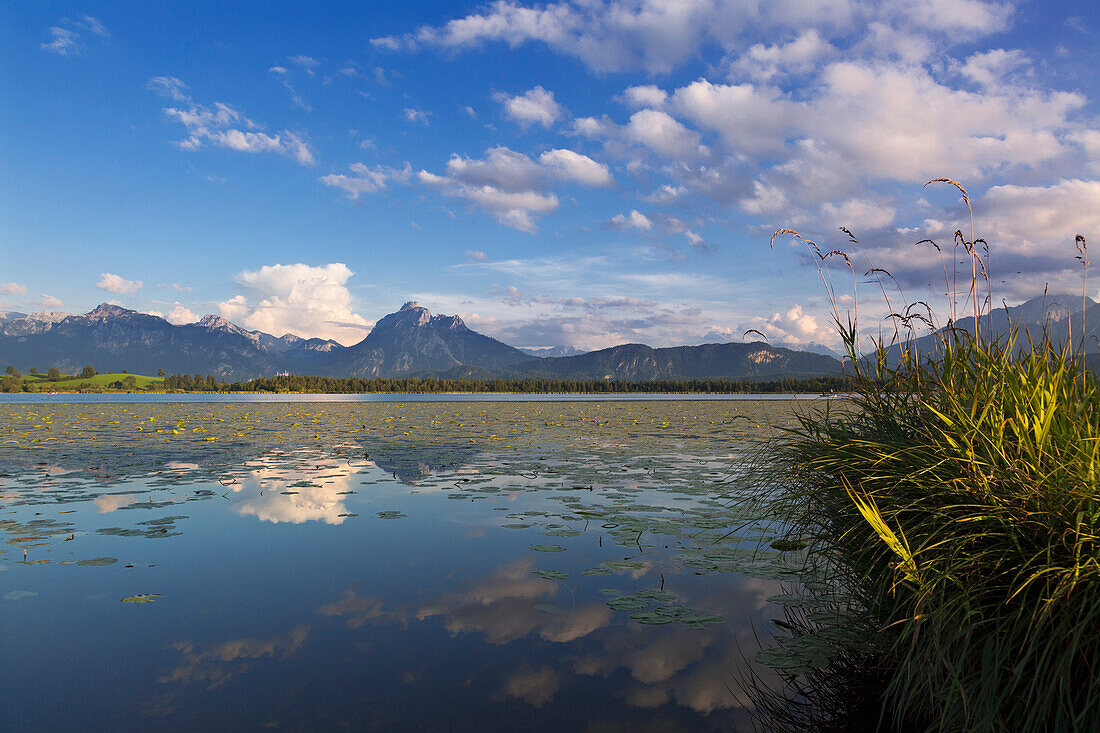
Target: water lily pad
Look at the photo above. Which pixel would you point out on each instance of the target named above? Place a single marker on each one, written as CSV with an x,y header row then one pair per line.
x,y
629,603
597,571
550,574
17,595
97,562
141,598
547,548
391,514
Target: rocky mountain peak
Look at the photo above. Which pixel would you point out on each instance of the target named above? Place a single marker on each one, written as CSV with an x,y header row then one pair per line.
x,y
212,321
411,315
108,310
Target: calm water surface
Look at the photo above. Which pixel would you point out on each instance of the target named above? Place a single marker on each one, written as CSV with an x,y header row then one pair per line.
x,y
397,565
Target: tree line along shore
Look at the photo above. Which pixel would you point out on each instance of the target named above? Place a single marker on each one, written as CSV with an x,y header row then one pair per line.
x,y
90,381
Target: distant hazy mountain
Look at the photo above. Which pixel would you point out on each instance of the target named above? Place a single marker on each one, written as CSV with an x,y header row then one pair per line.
x,y
640,362
413,341
21,324
112,338
553,351
1052,314
410,342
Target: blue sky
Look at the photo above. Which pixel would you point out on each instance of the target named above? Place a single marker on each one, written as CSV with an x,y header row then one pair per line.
x,y
582,173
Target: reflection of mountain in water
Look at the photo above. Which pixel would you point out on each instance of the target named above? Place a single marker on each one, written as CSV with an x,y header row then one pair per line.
x,y
411,465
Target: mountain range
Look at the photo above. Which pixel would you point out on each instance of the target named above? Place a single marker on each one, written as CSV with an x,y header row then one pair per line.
x,y
410,342
1053,315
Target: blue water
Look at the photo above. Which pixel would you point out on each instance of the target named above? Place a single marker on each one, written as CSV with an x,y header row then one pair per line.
x,y
372,586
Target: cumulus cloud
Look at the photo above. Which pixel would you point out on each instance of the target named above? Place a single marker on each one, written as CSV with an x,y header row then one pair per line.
x,y
663,134
513,187
115,284
365,179
764,62
222,125
533,106
47,302
12,289
180,314
794,328
309,301
1029,219
621,35
649,95
567,165
991,68
635,220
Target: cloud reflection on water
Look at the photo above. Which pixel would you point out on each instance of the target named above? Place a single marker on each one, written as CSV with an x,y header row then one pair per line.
x,y
311,491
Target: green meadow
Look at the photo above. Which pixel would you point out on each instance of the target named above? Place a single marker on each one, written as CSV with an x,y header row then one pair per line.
x,y
71,382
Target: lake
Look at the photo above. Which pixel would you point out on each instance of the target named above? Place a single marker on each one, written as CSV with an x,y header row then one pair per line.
x,y
179,564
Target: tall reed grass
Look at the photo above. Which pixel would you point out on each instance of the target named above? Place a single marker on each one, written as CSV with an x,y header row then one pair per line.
x,y
956,498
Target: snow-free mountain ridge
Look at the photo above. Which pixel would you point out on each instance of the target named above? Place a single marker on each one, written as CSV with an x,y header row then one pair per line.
x,y
409,342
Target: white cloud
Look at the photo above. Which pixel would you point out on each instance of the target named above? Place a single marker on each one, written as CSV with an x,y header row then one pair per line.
x,y
224,126
62,41
366,179
571,166
533,106
65,37
664,135
307,64
622,35
511,186
416,115
956,16
170,87
859,213
475,255
763,63
649,95
12,289
180,314
501,168
309,301
636,220
92,25
1039,220
794,328
47,301
115,284
990,68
